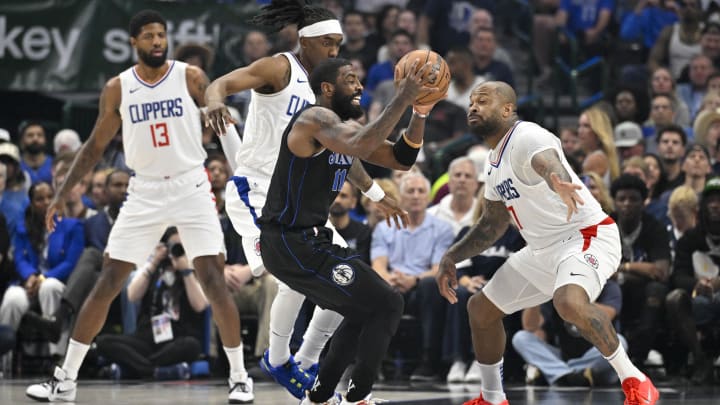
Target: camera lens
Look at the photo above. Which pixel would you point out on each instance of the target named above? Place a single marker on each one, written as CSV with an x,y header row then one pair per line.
x,y
176,250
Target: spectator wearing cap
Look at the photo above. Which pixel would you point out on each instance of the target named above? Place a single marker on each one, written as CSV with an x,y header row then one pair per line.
x,y
707,133
4,135
34,159
644,267
694,302
629,140
66,140
16,178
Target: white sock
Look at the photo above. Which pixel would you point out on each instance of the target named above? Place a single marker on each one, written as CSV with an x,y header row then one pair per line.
x,y
491,377
623,366
237,363
74,357
283,312
322,326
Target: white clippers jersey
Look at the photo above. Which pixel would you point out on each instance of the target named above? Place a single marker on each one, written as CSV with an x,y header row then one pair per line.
x,y
162,135
269,115
538,212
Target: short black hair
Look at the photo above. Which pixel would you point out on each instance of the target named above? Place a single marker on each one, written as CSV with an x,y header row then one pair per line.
x,y
629,182
144,18
672,128
326,71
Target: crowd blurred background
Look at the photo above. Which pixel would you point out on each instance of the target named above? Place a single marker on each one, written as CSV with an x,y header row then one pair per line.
x,y
632,88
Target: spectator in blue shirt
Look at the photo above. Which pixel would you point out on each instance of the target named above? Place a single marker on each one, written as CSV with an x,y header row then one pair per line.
x,y
12,202
87,270
34,158
408,260
646,23
444,23
43,262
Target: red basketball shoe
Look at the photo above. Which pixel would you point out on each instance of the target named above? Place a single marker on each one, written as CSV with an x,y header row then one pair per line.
x,y
480,401
639,393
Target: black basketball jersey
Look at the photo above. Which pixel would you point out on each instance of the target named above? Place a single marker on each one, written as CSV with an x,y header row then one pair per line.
x,y
302,189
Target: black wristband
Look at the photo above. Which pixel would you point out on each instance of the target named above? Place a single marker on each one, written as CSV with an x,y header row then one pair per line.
x,y
186,272
404,153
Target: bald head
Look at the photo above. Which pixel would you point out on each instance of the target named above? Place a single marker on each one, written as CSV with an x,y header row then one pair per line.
x,y
503,90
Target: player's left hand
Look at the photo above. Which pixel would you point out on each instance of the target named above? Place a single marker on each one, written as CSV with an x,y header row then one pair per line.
x,y
391,209
568,193
446,279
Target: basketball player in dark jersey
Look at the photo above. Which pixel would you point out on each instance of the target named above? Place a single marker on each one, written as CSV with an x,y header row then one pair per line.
x,y
319,149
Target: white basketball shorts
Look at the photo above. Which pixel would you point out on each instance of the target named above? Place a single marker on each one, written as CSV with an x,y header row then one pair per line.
x,y
528,278
153,204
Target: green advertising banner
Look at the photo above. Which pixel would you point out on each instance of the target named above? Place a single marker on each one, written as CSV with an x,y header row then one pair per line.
x,y
77,45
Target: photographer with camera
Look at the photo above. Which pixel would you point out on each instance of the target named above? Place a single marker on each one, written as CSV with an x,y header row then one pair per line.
x,y
167,338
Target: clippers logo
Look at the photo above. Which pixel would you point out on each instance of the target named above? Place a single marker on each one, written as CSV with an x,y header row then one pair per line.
x,y
343,274
257,246
592,260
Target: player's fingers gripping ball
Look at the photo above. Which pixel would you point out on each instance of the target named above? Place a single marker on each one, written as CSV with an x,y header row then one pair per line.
x,y
440,71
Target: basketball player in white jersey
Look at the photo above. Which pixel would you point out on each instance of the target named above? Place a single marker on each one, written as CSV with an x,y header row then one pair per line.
x,y
280,87
572,246
155,102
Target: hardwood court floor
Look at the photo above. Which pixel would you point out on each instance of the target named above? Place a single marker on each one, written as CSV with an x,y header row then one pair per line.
x,y
12,391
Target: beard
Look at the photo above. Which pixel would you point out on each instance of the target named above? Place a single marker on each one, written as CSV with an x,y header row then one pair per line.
x,y
152,61
487,127
344,107
337,210
34,148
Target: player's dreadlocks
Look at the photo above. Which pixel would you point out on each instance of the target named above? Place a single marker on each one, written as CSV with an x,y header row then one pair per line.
x,y
280,13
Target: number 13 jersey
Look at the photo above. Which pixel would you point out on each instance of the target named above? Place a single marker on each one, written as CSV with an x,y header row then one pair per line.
x,y
538,212
161,130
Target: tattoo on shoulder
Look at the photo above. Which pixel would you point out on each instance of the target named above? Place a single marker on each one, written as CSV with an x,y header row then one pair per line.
x,y
324,117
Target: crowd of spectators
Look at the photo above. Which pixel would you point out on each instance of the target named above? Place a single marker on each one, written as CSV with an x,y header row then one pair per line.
x,y
649,153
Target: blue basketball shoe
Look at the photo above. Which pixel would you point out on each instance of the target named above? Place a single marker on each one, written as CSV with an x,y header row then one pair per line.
x,y
289,375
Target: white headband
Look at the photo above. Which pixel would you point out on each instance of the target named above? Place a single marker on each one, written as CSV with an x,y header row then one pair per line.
x,y
321,28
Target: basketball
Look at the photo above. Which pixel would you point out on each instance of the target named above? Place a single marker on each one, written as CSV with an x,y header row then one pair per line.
x,y
439,67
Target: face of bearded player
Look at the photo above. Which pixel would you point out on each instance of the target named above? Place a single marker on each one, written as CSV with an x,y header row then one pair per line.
x,y
151,45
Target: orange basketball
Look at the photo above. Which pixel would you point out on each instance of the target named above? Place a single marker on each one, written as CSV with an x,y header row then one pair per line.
x,y
439,67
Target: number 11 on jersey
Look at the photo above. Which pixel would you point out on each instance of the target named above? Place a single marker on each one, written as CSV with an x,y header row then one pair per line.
x,y
159,134
514,215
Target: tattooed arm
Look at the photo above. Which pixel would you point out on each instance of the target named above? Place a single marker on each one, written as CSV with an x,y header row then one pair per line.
x,y
107,125
319,128
197,82
548,162
490,227
548,165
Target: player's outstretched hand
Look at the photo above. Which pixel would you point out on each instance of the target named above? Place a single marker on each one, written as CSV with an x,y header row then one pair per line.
x,y
218,117
391,209
446,279
568,193
414,82
57,207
